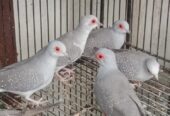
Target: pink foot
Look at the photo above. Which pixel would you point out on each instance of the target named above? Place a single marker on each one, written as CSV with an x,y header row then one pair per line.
x,y
65,75
135,84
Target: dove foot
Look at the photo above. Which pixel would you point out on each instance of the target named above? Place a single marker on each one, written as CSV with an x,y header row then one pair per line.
x,y
83,111
66,74
38,102
135,84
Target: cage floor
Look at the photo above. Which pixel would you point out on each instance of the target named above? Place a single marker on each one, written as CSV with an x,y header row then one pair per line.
x,y
79,98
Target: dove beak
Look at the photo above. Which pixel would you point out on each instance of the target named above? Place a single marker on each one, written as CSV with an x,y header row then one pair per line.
x,y
128,31
93,57
95,49
100,24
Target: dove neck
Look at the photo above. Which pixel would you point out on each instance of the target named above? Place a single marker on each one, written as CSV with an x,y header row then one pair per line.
x,y
84,32
48,59
110,66
105,69
84,29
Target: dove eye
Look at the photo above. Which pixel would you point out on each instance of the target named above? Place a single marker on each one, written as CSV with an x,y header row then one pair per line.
x,y
57,49
100,56
93,21
121,26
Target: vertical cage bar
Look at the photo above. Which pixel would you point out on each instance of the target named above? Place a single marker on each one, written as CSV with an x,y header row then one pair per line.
x,y
60,17
41,24
79,10
113,19
19,29
91,6
107,13
152,26
54,19
48,26
160,20
167,28
84,7
119,8
33,10
129,20
97,8
145,25
102,11
126,9
73,14
67,16
26,12
138,24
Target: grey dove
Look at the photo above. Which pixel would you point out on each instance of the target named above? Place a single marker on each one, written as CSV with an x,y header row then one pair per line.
x,y
113,92
113,37
25,78
137,66
75,41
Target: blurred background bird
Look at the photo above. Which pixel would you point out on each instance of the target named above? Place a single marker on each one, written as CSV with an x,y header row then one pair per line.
x,y
137,66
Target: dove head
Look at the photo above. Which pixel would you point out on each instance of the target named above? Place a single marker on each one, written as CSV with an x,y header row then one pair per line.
x,y
153,67
105,57
121,26
90,22
57,48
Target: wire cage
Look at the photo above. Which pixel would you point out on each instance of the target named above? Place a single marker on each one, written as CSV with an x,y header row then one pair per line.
x,y
39,21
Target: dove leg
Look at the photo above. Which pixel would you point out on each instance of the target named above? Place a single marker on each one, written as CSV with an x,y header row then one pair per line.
x,y
135,84
66,74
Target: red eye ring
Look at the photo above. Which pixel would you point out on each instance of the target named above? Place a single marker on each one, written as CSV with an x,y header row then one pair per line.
x,y
57,49
100,56
121,26
93,21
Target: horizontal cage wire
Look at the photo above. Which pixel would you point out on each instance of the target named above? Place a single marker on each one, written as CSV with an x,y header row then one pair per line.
x,y
39,21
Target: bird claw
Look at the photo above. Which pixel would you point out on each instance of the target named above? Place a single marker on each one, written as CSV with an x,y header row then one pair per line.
x,y
83,111
135,84
38,102
66,74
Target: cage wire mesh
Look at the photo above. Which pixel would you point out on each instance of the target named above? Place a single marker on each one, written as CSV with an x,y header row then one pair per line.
x,y
39,21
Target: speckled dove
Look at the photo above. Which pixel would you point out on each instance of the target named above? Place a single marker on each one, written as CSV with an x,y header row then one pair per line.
x,y
25,78
113,92
113,37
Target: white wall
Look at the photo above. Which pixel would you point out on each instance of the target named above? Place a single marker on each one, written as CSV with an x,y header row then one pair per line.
x,y
35,29
150,27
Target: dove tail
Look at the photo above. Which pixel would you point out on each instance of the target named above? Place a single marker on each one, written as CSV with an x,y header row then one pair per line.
x,y
153,66
139,105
